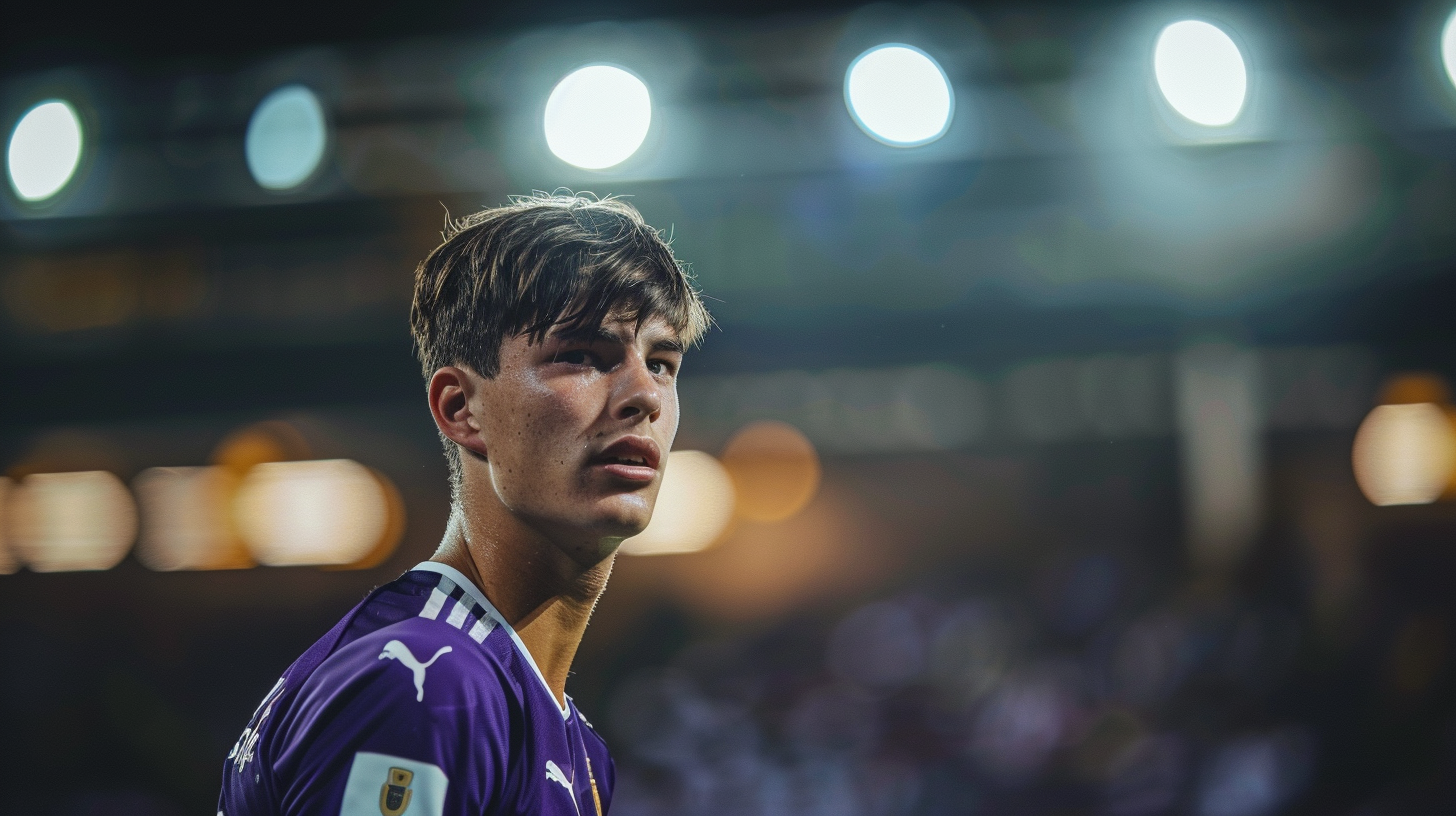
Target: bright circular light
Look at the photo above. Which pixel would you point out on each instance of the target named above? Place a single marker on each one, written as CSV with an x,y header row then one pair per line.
x,y
899,95
286,138
597,116
45,149
186,519
63,522
330,511
1201,72
694,506
1448,47
1404,454
775,470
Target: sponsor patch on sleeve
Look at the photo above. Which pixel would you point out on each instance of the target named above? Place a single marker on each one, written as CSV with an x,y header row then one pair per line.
x,y
384,785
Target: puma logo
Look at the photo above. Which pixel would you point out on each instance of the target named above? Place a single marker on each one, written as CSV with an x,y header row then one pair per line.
x,y
553,773
394,650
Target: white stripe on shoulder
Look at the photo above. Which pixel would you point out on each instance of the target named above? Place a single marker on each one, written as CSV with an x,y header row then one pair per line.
x,y
438,596
459,613
481,629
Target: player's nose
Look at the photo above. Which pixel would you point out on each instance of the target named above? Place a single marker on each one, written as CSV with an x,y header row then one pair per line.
x,y
637,392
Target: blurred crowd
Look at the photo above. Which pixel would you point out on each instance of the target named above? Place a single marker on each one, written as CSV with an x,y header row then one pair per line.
x,y
1083,695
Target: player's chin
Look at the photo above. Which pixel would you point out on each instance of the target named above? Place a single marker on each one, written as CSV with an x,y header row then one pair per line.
x,y
623,515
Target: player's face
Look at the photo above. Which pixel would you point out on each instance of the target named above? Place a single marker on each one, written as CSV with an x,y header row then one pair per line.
x,y
577,430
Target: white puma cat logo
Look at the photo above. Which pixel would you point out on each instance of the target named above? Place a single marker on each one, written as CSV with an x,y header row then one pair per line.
x,y
394,650
553,773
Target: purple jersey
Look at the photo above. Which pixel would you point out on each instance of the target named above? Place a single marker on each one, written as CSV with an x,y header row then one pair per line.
x,y
422,701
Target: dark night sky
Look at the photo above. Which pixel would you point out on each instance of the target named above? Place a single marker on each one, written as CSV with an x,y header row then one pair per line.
x,y
40,35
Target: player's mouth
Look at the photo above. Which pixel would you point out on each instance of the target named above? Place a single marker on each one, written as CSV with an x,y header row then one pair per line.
x,y
631,458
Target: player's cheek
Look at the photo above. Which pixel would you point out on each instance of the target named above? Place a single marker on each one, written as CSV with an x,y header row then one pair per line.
x,y
666,425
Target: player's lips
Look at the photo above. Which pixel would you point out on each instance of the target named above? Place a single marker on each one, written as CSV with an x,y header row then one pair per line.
x,y
632,458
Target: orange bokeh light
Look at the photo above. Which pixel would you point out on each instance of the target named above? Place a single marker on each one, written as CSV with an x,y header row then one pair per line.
x,y
775,470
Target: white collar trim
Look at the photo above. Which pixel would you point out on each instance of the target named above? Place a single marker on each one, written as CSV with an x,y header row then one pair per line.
x,y
479,597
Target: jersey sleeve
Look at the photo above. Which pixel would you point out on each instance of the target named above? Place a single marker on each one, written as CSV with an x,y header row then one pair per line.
x,y
405,719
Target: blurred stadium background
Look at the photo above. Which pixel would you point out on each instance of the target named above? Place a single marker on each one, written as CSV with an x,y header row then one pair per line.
x,y
1076,439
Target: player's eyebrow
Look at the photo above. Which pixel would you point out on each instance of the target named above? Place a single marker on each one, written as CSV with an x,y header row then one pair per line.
x,y
602,334
669,344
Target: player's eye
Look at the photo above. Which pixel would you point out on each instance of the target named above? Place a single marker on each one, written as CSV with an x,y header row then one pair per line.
x,y
575,357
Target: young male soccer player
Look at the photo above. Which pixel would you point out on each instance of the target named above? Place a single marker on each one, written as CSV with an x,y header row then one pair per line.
x,y
551,332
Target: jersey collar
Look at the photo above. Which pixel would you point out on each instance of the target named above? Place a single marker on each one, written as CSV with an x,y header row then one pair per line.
x,y
479,597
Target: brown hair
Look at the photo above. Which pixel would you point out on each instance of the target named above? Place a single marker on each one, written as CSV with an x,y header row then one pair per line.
x,y
569,262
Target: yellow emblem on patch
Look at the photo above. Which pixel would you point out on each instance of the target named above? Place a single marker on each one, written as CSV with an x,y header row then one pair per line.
x,y
394,794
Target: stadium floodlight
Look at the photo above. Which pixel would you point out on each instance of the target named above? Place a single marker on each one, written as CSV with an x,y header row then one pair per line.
x,y
1201,72
899,95
286,138
1448,47
597,116
44,150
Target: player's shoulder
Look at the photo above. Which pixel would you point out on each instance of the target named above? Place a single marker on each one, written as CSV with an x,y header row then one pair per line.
x,y
417,660
424,637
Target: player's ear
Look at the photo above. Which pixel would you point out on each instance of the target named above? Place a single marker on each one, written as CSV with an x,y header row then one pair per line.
x,y
451,391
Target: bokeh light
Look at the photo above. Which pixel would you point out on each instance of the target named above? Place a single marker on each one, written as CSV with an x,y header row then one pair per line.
x,y
1404,454
833,548
775,470
45,149
1021,724
324,512
268,441
694,506
1448,47
971,649
1255,775
597,116
1412,387
187,519
62,522
1201,72
8,564
899,95
286,138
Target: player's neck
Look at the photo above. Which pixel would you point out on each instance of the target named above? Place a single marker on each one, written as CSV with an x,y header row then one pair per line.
x,y
544,595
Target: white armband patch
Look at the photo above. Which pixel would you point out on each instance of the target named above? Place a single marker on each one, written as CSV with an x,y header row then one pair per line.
x,y
384,785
